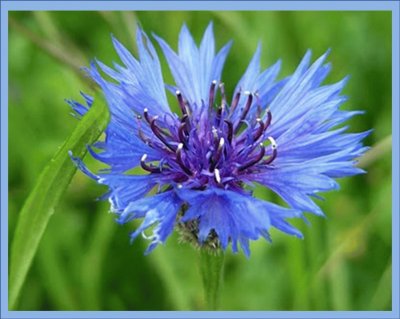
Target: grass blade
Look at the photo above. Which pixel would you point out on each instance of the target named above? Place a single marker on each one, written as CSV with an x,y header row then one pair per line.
x,y
43,199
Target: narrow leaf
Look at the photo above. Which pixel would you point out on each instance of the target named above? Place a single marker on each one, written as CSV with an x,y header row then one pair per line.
x,y
46,194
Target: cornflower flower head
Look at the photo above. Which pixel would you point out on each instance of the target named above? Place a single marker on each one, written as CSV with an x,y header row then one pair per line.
x,y
199,166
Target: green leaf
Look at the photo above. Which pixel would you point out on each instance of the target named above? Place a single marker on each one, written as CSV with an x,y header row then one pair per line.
x,y
46,194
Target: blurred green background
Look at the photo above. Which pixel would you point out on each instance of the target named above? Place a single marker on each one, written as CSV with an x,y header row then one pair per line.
x,y
85,262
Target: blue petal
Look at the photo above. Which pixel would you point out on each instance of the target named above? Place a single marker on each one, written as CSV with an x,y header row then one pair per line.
x,y
125,189
246,83
123,148
317,105
296,183
233,216
206,56
190,58
262,84
300,82
195,68
152,81
144,77
160,209
82,167
218,63
80,109
125,56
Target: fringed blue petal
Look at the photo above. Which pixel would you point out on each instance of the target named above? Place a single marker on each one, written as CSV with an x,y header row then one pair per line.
x,y
262,85
124,147
195,68
234,217
295,184
123,189
246,83
160,209
302,81
78,108
82,167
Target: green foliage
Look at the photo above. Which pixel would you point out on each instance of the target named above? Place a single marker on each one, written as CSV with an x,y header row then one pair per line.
x,y
84,260
44,198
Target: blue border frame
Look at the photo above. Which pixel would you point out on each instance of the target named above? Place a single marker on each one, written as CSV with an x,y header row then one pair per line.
x,y
393,6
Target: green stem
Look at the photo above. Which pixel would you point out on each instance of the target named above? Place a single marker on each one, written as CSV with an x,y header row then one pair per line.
x,y
211,270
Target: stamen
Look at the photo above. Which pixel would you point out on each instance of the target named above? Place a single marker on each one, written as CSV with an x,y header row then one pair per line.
x,y
235,103
269,119
180,161
274,147
215,135
221,143
258,158
259,110
212,94
223,96
181,102
218,154
230,131
221,108
146,115
260,129
219,115
245,111
217,176
184,118
157,132
143,137
148,168
181,134
273,142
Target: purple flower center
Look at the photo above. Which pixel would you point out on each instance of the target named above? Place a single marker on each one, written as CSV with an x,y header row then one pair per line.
x,y
215,146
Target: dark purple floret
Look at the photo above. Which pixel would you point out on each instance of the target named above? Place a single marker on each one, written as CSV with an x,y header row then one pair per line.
x,y
198,151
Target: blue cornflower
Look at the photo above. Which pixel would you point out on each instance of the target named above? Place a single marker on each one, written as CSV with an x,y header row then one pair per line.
x,y
199,166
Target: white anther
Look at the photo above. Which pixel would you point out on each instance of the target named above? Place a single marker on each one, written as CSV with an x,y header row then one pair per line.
x,y
179,186
180,146
273,142
214,132
258,120
247,93
222,84
177,92
143,158
214,82
146,110
221,142
217,175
